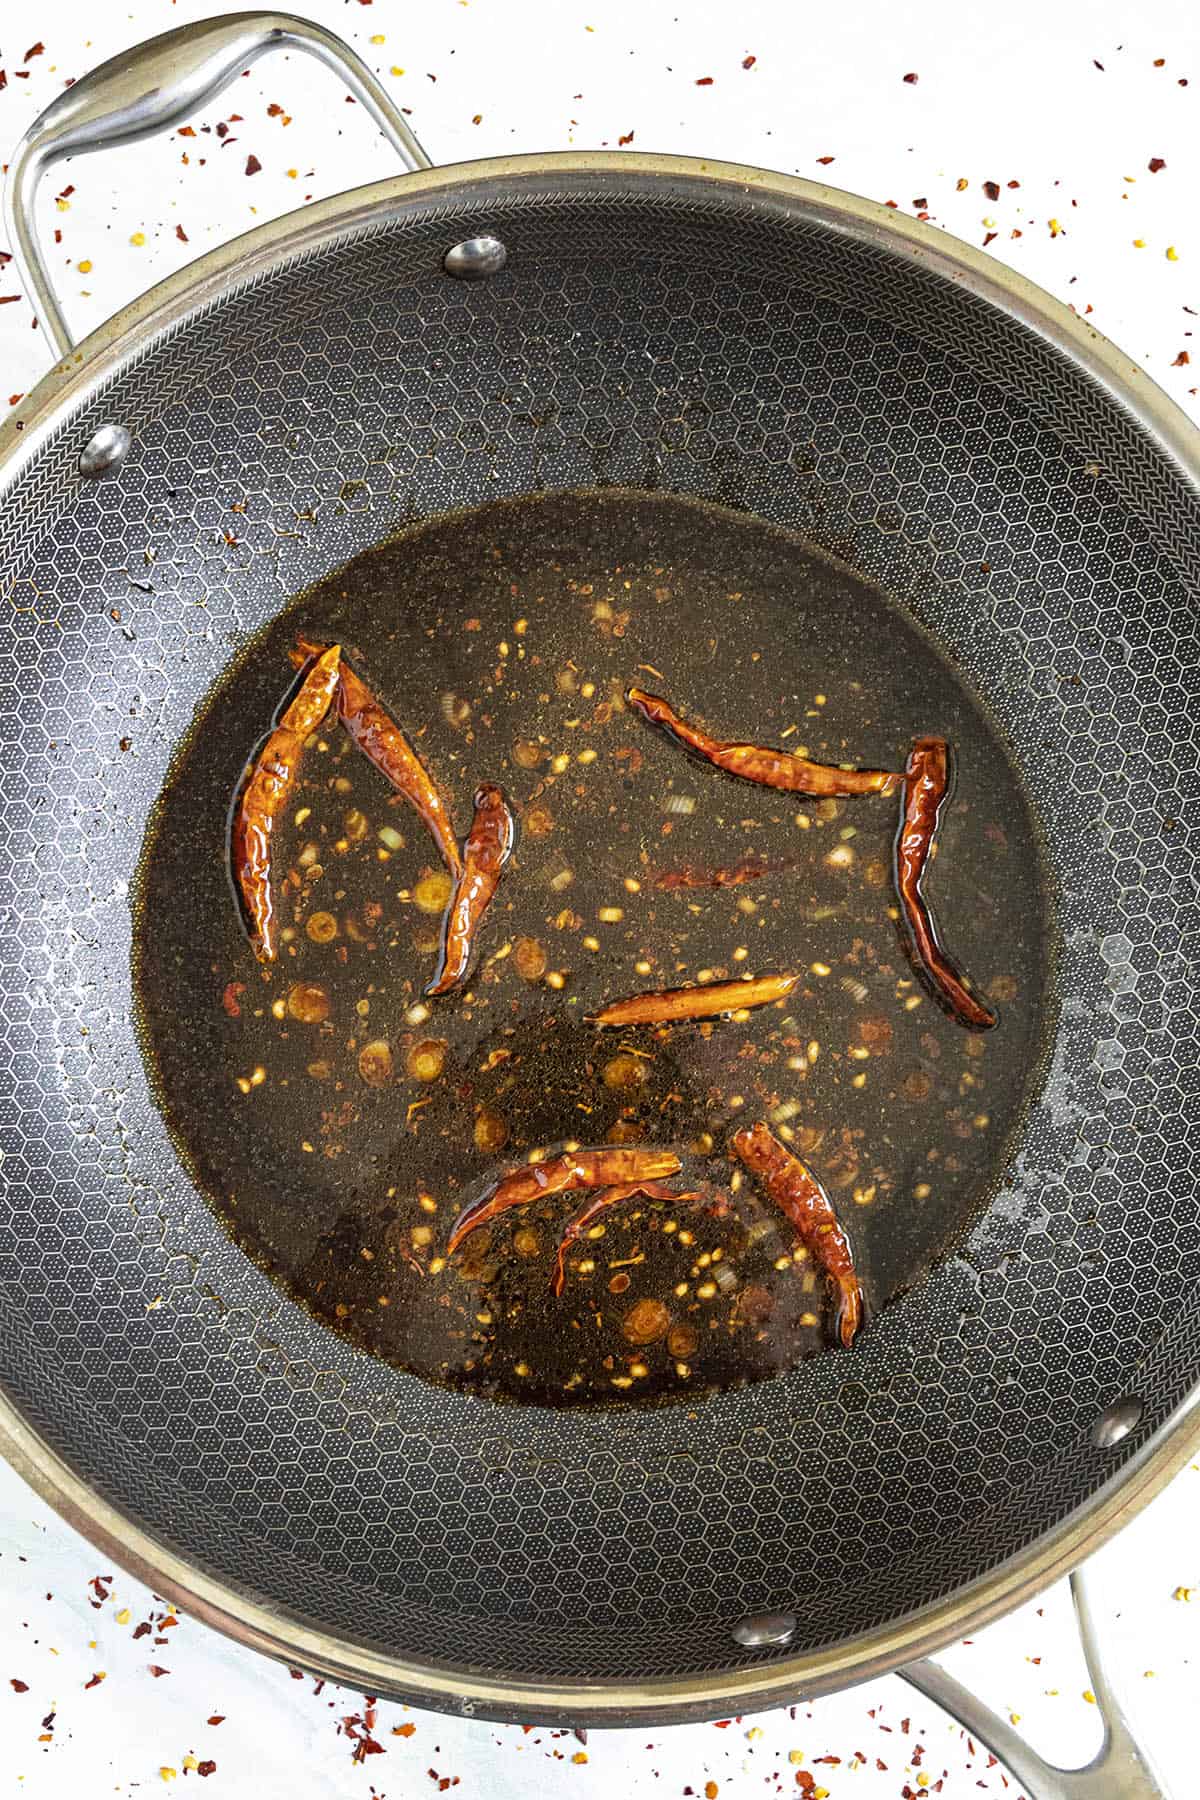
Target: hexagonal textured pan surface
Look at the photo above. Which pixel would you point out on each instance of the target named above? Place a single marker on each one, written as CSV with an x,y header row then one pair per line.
x,y
708,341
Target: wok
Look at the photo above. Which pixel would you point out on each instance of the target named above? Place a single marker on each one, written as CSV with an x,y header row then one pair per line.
x,y
491,330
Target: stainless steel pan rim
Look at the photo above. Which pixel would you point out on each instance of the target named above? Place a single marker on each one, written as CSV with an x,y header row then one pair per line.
x,y
778,1682
257,253
66,393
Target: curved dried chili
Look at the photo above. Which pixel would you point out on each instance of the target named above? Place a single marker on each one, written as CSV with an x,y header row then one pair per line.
x,y
374,731
488,847
667,1004
264,795
926,784
610,1166
754,762
801,1198
603,1202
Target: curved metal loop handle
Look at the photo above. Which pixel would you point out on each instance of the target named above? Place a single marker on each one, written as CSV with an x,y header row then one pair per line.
x,y
1118,1771
153,87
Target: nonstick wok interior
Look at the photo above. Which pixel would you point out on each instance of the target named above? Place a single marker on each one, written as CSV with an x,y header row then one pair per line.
x,y
687,337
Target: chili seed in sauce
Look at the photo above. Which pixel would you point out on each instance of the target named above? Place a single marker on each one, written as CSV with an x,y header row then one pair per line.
x,y
375,1063
530,959
308,1003
646,1321
625,1071
491,1131
426,1060
321,927
432,892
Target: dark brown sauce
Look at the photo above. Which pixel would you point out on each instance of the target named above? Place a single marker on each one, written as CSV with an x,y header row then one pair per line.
x,y
502,641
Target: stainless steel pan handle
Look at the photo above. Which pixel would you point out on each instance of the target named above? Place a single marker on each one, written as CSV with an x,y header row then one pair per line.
x,y
1118,1771
151,88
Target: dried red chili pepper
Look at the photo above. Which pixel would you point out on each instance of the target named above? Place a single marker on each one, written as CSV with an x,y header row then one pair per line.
x,y
377,735
695,1002
264,796
488,848
801,1198
753,762
753,868
611,1166
602,1202
926,783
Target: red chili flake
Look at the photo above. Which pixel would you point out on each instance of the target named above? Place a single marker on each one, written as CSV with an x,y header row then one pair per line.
x,y
274,110
920,204
3,78
97,1678
1182,360
207,1767
296,1674
894,204
142,1630
705,81
1097,65
37,49
57,236
8,299
477,119
406,1730
156,1669
748,62
100,1585
67,191
252,165
215,1719
5,255
181,234
187,131
987,240
824,161
1156,163
912,78
627,139
992,189
222,129
18,1687
805,1781
125,743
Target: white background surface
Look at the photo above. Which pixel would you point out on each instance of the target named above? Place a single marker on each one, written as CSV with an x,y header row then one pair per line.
x,y
1008,94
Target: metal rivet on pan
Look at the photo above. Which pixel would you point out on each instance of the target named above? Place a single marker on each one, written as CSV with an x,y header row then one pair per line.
x,y
1116,1422
105,450
765,1631
475,258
